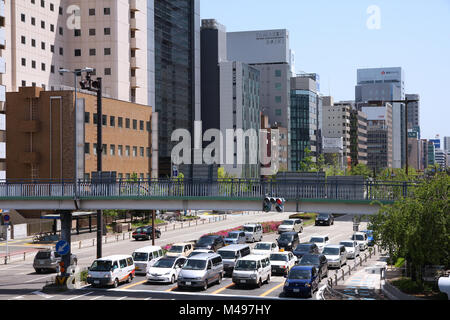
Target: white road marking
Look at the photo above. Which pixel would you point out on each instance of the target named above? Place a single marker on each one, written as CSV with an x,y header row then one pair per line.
x,y
98,297
32,280
83,295
42,294
148,298
122,298
16,298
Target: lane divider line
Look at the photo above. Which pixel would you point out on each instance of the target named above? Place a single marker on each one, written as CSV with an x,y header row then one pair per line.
x,y
272,290
133,285
83,295
224,288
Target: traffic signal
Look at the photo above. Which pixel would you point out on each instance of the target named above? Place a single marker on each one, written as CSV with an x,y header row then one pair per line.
x,y
267,204
61,267
279,204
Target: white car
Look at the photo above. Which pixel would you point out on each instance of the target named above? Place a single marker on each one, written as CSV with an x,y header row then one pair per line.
x,y
282,262
291,225
320,241
362,240
166,269
265,248
352,248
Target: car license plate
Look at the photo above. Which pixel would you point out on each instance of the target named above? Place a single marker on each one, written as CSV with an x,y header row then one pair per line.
x,y
296,290
96,282
41,262
243,281
188,283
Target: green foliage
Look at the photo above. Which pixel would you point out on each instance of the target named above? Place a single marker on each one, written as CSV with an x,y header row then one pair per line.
x,y
361,170
307,164
408,286
400,263
418,227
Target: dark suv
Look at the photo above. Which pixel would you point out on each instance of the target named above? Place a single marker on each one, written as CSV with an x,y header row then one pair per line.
x,y
210,243
48,260
324,219
146,233
305,248
317,260
288,240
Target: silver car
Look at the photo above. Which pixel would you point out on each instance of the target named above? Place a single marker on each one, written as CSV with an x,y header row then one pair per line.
x,y
49,260
200,271
352,248
336,255
235,237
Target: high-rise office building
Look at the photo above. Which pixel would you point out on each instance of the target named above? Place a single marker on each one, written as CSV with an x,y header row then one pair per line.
x,y
358,137
303,108
177,75
413,111
110,37
2,93
447,143
386,84
270,53
441,157
379,136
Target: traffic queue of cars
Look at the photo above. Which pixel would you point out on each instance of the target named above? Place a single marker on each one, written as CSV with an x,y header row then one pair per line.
x,y
208,260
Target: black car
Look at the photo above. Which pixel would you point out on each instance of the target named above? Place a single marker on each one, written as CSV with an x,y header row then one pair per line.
x,y
317,260
146,233
324,219
305,248
210,243
288,240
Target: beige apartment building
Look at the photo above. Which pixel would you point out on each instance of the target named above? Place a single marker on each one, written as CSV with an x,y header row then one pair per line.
x,y
43,36
2,92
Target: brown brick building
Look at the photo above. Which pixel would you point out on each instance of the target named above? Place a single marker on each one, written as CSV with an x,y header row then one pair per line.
x,y
41,136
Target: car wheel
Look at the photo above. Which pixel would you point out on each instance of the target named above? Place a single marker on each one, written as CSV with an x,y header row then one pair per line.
x,y
130,278
172,280
205,287
268,279
219,280
259,283
116,283
37,270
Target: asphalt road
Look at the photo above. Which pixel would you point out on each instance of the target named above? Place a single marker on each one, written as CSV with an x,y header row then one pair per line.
x,y
19,281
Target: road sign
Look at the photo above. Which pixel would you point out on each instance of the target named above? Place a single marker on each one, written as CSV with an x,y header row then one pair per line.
x,y
62,247
6,218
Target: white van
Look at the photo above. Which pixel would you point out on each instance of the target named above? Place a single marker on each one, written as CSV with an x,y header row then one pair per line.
x,y
253,232
111,271
252,270
145,257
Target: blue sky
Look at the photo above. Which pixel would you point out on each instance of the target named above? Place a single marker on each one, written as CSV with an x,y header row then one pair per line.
x,y
332,39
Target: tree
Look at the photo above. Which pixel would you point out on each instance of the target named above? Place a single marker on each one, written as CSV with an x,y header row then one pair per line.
x,y
307,163
417,228
334,169
361,170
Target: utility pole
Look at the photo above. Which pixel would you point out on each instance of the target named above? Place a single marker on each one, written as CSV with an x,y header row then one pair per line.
x,y
96,86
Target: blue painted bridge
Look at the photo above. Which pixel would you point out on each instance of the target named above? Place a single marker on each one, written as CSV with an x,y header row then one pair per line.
x,y
362,197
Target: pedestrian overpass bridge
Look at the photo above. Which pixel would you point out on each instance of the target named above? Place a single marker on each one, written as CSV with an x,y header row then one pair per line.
x,y
344,197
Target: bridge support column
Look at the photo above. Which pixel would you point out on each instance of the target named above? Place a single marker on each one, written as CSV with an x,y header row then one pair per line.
x,y
66,233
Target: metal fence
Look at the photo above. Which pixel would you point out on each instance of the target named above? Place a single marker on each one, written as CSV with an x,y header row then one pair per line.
x,y
226,189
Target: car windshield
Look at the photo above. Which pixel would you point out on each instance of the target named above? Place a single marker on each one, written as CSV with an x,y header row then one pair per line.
x,y
316,240
101,266
347,244
331,251
194,253
323,216
297,274
249,229
303,247
176,249
233,235
245,265
309,260
140,256
140,230
43,255
286,237
262,246
227,254
358,237
194,265
164,263
287,222
278,257
204,241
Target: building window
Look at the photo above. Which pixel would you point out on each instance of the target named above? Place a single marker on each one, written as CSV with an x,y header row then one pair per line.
x,y
87,117
278,86
134,151
92,12
134,124
148,126
77,32
60,10
33,43
61,32
42,24
112,121
42,3
107,51
23,40
127,151
107,31
127,123
141,151
278,99
33,64
52,48
104,120
33,21
278,73
52,28
106,11
92,32
92,52
77,53
120,151
43,45
87,148
105,150
148,153
22,17
43,66
24,83
278,113
95,118
120,122
24,62
52,7
112,150
141,125
95,149
107,71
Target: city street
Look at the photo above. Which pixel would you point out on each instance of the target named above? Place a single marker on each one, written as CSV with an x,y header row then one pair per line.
x,y
19,281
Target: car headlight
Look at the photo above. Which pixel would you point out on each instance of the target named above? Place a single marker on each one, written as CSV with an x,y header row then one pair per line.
x,y
253,276
308,285
167,273
107,276
286,284
89,276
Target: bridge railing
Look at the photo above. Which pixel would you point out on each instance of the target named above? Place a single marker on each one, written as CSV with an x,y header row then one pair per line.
x,y
227,189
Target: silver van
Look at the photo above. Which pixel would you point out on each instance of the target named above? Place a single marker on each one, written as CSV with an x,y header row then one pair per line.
x,y
231,253
200,271
253,232
145,257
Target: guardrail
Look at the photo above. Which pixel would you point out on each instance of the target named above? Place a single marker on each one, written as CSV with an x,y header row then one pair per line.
x,y
232,188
